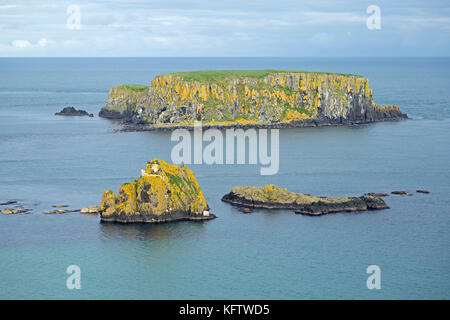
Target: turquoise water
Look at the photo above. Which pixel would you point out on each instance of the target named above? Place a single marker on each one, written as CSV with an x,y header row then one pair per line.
x,y
47,160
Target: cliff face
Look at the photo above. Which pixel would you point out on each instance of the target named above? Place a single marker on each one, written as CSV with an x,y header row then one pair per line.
x,y
124,101
163,193
264,97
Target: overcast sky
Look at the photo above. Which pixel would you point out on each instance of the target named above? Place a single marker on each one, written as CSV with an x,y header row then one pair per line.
x,y
154,28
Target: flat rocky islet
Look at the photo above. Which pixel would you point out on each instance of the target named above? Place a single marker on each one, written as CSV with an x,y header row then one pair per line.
x,y
247,99
272,197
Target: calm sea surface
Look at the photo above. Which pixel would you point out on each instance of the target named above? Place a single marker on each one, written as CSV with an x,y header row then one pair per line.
x,y
47,160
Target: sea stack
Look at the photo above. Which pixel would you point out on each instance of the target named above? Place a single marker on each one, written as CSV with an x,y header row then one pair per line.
x,y
272,197
163,193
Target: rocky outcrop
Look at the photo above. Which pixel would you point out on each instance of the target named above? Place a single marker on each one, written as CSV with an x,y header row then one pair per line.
x,y
377,194
71,111
271,197
163,193
9,211
399,192
249,98
90,210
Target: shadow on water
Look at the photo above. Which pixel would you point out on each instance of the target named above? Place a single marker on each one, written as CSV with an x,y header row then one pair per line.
x,y
149,232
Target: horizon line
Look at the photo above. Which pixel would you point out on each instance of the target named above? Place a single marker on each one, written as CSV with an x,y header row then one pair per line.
x,y
222,57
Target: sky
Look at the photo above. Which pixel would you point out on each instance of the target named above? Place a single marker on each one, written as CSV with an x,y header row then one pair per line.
x,y
224,28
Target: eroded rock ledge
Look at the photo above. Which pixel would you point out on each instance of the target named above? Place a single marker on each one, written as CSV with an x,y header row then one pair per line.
x,y
163,193
271,197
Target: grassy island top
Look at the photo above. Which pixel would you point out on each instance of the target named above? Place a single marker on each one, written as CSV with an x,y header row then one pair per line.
x,y
135,87
212,75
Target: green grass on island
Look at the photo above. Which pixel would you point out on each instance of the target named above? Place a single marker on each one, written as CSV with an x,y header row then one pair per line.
x,y
212,75
135,87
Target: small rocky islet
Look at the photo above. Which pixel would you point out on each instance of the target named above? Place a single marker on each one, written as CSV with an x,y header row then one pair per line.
x,y
71,111
163,193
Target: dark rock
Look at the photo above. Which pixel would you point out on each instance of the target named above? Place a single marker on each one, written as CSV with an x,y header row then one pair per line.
x,y
111,114
399,192
71,111
374,203
377,194
422,191
245,209
7,203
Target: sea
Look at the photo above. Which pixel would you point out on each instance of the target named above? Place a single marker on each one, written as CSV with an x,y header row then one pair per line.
x,y
48,160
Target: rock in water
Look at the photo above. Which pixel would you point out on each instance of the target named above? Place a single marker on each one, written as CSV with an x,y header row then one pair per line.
x,y
7,203
399,192
71,111
422,191
90,210
377,194
13,211
271,197
164,193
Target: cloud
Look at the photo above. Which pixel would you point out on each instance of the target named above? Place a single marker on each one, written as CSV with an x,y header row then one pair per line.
x,y
24,44
223,28
21,44
42,42
7,6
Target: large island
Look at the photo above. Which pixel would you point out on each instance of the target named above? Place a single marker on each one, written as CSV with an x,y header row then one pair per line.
x,y
247,98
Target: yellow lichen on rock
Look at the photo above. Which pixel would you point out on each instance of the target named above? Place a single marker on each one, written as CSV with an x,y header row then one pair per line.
x,y
163,192
263,96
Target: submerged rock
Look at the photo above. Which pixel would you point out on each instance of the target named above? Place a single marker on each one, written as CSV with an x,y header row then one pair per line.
x,y
71,111
60,211
7,203
271,197
163,193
